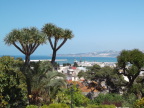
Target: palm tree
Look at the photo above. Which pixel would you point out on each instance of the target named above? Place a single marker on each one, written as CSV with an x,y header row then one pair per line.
x,y
46,83
52,82
26,40
57,34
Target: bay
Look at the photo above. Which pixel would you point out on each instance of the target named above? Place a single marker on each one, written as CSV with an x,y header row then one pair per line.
x,y
70,60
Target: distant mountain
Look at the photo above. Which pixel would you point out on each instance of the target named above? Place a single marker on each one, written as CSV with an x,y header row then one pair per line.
x,y
109,53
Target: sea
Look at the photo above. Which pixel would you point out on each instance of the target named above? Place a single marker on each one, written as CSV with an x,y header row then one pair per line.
x,y
70,60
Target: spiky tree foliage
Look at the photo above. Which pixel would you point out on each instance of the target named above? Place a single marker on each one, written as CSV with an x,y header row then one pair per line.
x,y
57,34
26,40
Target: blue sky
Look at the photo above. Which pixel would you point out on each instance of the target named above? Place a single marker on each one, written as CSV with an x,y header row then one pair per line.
x,y
96,24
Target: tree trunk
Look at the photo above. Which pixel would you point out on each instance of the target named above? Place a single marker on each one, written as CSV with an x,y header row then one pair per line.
x,y
53,57
27,60
28,82
133,79
28,77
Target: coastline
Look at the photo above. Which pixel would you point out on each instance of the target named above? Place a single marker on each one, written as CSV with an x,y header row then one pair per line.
x,y
66,59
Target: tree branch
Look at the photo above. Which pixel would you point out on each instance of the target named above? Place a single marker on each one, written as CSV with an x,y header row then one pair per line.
x,y
23,46
27,48
34,48
50,43
61,44
55,43
30,47
18,48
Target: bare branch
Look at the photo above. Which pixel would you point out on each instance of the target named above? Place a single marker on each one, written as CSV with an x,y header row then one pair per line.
x,y
22,46
50,43
27,48
18,48
55,43
61,44
34,48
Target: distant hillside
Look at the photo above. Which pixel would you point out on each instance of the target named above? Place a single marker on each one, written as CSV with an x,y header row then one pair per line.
x,y
109,53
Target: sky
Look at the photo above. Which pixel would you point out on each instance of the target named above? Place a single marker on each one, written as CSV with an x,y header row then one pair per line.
x,y
97,25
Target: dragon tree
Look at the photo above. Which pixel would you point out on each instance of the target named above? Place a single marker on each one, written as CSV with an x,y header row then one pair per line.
x,y
26,40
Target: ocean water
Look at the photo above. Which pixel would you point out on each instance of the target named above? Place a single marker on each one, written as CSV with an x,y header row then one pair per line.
x,y
71,60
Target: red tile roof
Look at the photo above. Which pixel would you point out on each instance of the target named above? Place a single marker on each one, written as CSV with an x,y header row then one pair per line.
x,y
82,87
74,68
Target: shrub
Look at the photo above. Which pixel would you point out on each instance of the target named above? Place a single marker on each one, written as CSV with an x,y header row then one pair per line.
x,y
44,106
78,99
3,103
109,99
31,106
100,106
60,105
129,100
139,103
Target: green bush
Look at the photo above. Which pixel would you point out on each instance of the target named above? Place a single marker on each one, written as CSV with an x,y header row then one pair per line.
x,y
78,99
100,106
44,106
31,106
12,83
108,99
60,105
3,103
139,103
129,100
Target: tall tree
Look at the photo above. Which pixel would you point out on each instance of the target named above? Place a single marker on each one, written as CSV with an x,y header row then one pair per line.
x,y
130,63
103,78
26,40
56,34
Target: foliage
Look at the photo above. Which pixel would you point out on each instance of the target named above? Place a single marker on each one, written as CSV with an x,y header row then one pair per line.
x,y
62,97
58,35
44,106
54,105
130,63
3,103
139,103
12,86
100,106
26,40
65,96
99,75
66,64
46,83
129,100
80,99
75,64
31,106
81,74
58,105
90,74
42,67
109,99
